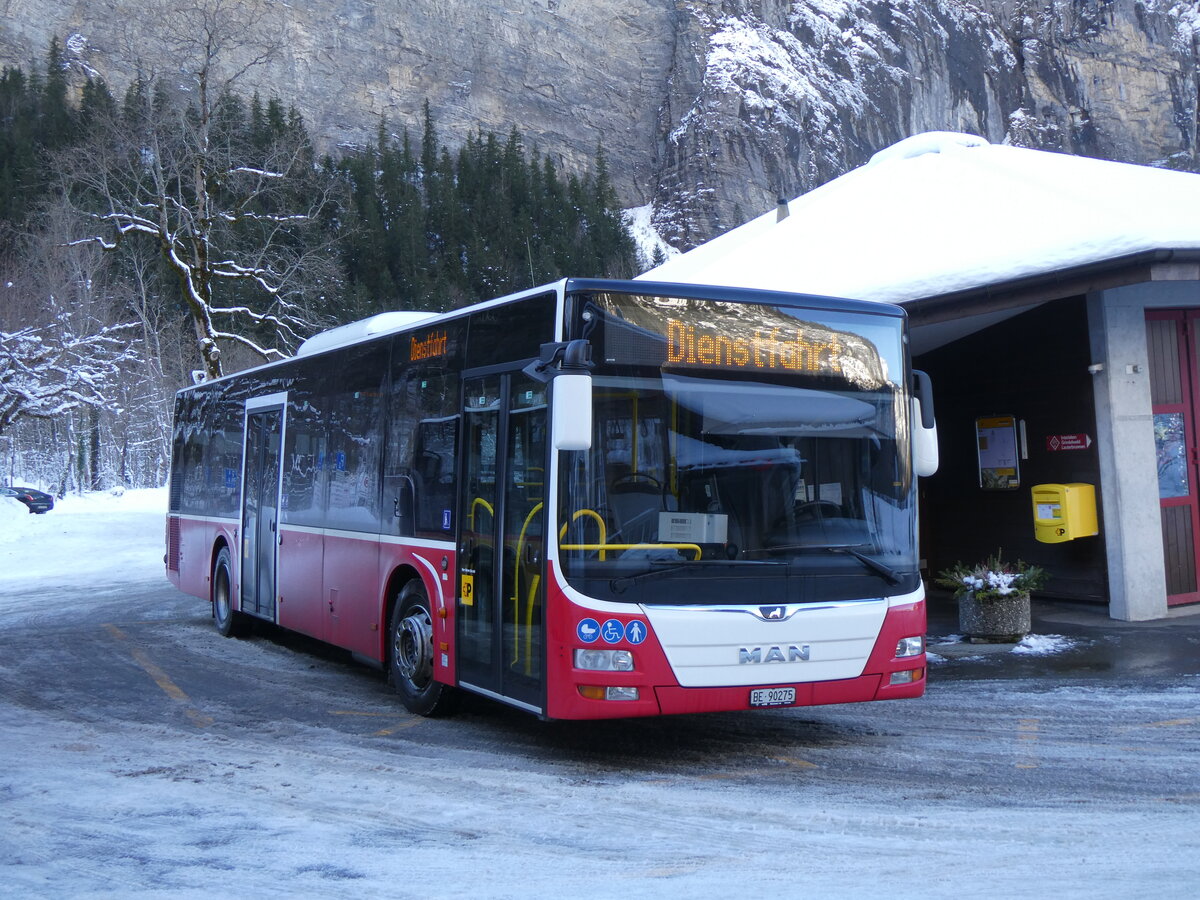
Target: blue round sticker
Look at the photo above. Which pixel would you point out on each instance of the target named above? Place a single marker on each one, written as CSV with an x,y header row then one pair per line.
x,y
636,631
587,630
612,631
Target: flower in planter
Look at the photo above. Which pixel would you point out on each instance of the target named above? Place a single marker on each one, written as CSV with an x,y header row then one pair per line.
x,y
992,579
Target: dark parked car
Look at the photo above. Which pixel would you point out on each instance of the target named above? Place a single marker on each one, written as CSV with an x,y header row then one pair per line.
x,y
35,500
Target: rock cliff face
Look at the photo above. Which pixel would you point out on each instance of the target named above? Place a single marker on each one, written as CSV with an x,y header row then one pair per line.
x,y
773,98
709,109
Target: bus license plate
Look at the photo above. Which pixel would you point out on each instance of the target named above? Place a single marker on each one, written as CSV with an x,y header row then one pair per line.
x,y
773,697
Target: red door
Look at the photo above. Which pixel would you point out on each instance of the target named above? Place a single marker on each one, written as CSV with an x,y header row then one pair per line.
x,y
1171,337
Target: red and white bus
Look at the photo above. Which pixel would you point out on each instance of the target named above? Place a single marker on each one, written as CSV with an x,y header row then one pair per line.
x,y
595,499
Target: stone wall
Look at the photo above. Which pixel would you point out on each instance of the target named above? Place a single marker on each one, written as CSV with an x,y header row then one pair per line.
x,y
711,109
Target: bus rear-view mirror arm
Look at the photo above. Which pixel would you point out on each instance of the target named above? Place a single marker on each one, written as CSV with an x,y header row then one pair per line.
x,y
565,365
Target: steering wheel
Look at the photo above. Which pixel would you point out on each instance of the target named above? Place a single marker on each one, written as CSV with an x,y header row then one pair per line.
x,y
634,478
812,509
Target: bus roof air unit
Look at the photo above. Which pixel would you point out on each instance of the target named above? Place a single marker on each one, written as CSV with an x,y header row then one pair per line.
x,y
373,326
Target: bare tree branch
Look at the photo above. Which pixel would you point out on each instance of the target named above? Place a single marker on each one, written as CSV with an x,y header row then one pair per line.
x,y
238,221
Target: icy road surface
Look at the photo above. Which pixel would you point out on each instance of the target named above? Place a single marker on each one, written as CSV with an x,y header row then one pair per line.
x,y
144,755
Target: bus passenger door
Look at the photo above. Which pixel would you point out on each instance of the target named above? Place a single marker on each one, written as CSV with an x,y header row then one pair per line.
x,y
261,486
501,558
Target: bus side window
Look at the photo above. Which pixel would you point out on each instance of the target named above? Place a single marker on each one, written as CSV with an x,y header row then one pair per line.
x,y
419,468
437,441
355,413
305,472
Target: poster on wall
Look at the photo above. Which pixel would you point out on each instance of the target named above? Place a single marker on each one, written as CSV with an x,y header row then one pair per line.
x,y
996,438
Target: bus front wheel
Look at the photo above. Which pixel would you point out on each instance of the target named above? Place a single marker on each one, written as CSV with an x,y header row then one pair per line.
x,y
411,654
230,623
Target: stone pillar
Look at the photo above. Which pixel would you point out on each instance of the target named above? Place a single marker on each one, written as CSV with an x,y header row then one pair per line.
x,y
1132,524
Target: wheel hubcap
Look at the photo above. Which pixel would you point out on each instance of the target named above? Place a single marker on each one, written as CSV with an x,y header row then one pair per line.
x,y
222,598
414,648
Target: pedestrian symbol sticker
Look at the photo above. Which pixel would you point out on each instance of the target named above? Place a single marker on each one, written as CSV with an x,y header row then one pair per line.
x,y
587,630
635,632
612,631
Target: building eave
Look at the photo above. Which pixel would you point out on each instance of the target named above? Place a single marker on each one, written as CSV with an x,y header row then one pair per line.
x,y
1135,268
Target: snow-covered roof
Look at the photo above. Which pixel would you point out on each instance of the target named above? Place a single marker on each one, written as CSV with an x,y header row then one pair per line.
x,y
943,212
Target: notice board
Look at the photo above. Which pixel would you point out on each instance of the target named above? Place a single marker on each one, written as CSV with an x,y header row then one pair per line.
x,y
996,439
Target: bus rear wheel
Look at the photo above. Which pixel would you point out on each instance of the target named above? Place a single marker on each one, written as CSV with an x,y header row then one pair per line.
x,y
229,622
410,657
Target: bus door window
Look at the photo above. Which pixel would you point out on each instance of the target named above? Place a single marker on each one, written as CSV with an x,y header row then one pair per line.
x,y
260,513
501,553
477,550
524,512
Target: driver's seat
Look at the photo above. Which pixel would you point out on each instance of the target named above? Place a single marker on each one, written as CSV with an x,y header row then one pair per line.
x,y
635,504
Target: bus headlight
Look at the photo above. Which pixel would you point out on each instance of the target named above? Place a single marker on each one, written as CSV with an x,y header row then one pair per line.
x,y
910,646
600,692
604,660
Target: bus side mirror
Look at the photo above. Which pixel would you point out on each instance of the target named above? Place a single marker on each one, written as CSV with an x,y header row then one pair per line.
x,y
571,411
924,426
925,445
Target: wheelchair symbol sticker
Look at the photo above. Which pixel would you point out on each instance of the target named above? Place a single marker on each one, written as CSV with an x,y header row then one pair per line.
x,y
612,631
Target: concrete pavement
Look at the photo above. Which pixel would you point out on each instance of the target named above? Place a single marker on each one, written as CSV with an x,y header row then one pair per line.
x,y
1068,640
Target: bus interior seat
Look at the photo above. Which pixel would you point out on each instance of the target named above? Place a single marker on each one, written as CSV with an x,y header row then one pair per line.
x,y
635,500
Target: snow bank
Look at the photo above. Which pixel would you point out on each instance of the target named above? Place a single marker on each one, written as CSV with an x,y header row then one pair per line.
x,y
1044,644
84,538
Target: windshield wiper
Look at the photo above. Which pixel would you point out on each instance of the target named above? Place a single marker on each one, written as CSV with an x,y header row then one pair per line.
x,y
890,574
879,568
618,585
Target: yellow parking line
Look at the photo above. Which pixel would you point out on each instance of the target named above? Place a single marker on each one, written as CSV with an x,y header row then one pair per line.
x,y
1027,736
383,732
796,761
357,712
168,687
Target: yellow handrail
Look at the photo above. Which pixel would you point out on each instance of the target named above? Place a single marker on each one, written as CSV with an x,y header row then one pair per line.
x,y
529,624
600,521
602,547
516,597
479,501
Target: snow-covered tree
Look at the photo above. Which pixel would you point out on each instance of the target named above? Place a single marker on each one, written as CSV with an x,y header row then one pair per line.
x,y
234,204
50,369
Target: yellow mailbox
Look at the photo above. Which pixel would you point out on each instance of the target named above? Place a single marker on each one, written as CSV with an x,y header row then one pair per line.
x,y
1064,512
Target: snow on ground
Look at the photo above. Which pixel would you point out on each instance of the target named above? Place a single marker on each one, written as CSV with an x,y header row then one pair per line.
x,y
649,243
83,540
1030,645
1044,644
878,798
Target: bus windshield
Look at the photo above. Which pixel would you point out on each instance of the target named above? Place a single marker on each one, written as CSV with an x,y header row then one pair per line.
x,y
743,453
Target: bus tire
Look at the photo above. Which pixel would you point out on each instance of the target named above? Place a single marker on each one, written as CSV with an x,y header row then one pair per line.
x,y
229,622
410,654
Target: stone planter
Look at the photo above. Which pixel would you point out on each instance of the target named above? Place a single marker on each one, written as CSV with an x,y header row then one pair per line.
x,y
1004,620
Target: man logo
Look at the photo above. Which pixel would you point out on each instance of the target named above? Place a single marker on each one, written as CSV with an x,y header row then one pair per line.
x,y
772,612
746,656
